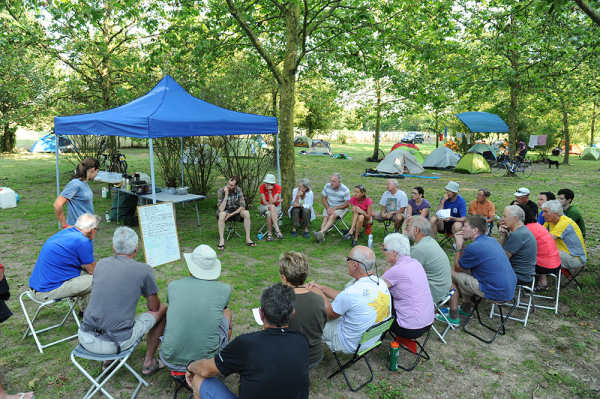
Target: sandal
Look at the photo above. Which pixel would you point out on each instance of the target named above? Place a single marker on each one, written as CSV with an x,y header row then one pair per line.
x,y
269,237
251,244
157,364
279,235
221,247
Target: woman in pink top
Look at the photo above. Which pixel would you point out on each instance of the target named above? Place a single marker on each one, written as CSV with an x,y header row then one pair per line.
x,y
407,282
548,259
361,213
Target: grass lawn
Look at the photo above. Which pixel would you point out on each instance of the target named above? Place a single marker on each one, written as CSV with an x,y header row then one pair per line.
x,y
554,357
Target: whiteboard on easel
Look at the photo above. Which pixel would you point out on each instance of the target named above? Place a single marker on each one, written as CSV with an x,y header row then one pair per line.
x,y
159,233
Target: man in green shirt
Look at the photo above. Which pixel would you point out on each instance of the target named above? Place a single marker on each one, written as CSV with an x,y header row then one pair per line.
x,y
198,321
565,196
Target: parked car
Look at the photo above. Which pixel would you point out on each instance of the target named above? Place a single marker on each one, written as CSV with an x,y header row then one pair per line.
x,y
413,137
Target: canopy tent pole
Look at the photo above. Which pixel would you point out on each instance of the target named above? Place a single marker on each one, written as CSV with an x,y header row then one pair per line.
x,y
278,165
152,171
57,172
181,152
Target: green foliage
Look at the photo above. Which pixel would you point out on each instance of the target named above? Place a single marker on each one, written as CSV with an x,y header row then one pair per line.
x,y
320,111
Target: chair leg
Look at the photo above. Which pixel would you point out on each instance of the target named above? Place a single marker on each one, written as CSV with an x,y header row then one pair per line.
x,y
342,368
421,354
500,330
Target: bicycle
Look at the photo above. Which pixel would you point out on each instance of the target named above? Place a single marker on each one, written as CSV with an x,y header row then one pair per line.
x,y
511,167
113,161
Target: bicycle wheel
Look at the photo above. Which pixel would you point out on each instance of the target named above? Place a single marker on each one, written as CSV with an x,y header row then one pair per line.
x,y
526,169
499,169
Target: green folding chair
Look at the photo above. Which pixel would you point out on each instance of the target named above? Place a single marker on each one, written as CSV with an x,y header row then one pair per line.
x,y
375,331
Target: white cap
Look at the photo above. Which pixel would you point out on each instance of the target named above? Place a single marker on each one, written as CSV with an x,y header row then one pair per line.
x,y
521,192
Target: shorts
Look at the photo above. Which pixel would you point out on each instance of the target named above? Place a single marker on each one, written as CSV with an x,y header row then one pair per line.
x,y
100,346
213,388
263,209
223,331
448,227
407,332
468,285
380,218
235,218
340,213
331,337
570,262
543,270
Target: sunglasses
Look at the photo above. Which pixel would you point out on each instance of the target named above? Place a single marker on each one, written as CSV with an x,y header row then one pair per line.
x,y
348,259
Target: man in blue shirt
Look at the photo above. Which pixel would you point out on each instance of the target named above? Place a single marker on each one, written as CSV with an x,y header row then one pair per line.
x,y
452,224
482,270
64,256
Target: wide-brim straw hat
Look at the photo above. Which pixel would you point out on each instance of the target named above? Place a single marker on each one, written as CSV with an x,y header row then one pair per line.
x,y
203,263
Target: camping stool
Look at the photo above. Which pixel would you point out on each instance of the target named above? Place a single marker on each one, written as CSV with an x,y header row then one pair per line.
x,y
340,225
375,331
528,305
498,330
263,229
572,277
118,360
554,298
180,383
72,302
438,310
447,239
231,229
386,225
421,354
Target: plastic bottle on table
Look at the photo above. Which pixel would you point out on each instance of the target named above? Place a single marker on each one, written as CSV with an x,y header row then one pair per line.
x,y
107,216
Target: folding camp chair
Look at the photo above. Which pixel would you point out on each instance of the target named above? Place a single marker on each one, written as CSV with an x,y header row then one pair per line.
x,y
421,354
340,225
500,329
438,310
31,331
117,361
572,277
375,331
231,229
528,305
554,298
263,229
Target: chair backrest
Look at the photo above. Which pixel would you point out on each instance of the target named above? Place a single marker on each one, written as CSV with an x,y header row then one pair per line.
x,y
376,330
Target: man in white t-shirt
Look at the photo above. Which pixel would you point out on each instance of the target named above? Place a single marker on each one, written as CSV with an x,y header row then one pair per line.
x,y
393,204
364,302
336,200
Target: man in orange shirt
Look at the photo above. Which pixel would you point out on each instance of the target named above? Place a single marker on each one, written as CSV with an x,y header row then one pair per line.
x,y
482,206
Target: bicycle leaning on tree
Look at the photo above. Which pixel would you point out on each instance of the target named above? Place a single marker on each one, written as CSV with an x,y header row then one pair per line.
x,y
505,166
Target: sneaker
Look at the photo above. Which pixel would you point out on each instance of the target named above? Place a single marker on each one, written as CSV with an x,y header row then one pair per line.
x,y
347,236
464,312
306,234
445,310
453,322
294,234
354,243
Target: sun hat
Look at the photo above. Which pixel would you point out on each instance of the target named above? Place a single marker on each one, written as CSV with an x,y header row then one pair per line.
x,y
521,192
269,179
452,186
203,263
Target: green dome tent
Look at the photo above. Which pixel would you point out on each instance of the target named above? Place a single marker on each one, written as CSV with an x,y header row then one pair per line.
x,y
415,153
472,163
591,153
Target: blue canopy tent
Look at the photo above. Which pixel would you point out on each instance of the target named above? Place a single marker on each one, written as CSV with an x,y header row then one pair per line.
x,y
167,110
483,122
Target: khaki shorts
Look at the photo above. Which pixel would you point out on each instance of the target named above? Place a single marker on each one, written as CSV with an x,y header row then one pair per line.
x,y
142,324
331,337
78,286
569,261
263,209
340,213
467,285
380,218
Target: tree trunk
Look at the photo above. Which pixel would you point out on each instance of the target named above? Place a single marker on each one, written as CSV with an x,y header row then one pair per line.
x,y
375,155
565,120
593,127
513,116
9,139
274,101
437,134
287,101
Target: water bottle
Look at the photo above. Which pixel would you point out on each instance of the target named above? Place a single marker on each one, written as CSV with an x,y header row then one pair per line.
x,y
393,356
107,216
370,242
260,236
104,190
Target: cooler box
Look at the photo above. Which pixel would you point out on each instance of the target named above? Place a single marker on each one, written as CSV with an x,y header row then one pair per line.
x,y
8,198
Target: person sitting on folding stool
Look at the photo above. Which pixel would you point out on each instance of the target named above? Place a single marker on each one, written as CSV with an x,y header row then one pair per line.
x,y
458,210
336,200
482,269
430,255
272,363
270,205
364,302
568,236
548,259
66,262
407,282
393,204
518,243
198,320
361,213
109,323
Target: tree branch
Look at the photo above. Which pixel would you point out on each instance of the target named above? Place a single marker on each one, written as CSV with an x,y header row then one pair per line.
x,y
586,8
254,40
